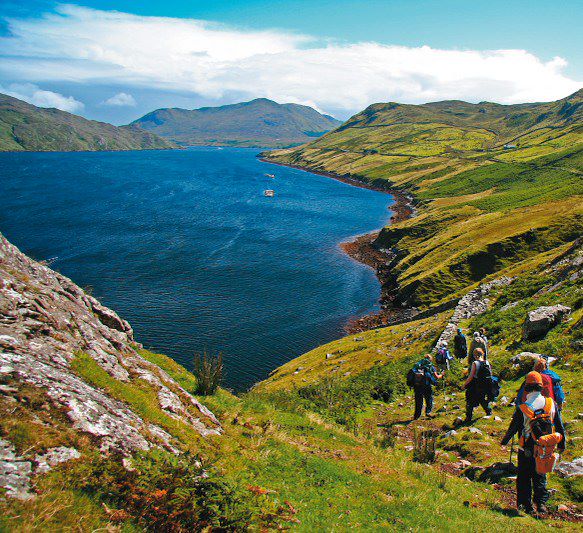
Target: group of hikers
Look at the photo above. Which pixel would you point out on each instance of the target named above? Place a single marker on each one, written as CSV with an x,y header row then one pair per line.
x,y
537,416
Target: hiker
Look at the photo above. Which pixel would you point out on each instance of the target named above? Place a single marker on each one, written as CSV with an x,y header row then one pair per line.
x,y
477,343
540,429
552,387
477,385
443,357
485,341
460,344
424,376
542,367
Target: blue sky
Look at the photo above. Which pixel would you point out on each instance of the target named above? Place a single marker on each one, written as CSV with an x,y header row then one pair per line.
x,y
338,56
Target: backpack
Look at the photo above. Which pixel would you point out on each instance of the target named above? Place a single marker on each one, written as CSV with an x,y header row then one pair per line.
x,y
548,391
543,435
486,383
441,357
416,377
558,393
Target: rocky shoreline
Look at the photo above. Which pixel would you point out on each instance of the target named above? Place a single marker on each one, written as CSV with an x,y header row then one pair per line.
x,y
362,249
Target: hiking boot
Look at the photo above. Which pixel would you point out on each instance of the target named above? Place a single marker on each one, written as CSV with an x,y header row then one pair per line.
x,y
542,508
528,509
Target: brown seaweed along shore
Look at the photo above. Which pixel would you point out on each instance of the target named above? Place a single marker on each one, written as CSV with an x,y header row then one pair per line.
x,y
362,249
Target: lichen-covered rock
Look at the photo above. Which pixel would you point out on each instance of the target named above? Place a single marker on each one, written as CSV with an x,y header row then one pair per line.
x,y
522,356
45,320
573,468
54,456
541,320
15,473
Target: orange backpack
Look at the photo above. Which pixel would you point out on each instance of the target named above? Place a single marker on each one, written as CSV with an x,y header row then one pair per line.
x,y
544,436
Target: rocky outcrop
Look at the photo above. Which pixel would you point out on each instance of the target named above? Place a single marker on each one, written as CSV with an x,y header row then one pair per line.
x,y
46,321
540,321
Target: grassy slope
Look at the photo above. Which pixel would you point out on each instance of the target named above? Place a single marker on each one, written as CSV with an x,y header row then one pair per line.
x,y
389,352
26,127
334,479
260,122
480,205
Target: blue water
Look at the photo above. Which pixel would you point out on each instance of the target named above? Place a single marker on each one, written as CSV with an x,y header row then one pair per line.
x,y
184,245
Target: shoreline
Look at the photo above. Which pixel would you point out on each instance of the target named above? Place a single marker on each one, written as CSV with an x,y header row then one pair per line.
x,y
362,249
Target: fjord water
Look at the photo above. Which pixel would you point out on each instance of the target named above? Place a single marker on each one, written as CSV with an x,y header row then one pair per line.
x,y
184,245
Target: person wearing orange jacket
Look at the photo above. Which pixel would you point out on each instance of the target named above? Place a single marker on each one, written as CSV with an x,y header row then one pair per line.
x,y
528,480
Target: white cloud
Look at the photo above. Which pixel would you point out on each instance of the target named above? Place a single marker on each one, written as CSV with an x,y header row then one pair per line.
x,y
34,95
78,44
121,100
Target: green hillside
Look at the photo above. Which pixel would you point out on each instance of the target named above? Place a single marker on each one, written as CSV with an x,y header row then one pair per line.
x,y
24,127
260,122
491,183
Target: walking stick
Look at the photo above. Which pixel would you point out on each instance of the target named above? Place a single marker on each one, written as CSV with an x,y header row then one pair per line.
x,y
511,449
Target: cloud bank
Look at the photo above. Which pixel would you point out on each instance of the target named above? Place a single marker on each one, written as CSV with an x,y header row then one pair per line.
x,y
82,45
121,100
34,95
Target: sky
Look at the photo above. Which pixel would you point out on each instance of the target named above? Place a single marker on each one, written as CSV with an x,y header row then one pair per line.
x,y
115,60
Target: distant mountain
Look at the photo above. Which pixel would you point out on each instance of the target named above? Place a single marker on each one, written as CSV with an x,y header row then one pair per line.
x,y
25,127
260,122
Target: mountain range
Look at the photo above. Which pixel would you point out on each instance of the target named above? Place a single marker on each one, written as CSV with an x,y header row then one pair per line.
x,y
258,123
25,127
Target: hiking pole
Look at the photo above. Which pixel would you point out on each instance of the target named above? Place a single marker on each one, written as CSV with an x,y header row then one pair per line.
x,y
511,449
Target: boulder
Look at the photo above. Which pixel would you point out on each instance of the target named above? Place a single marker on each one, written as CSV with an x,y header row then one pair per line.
x,y
494,473
570,469
541,320
450,433
524,356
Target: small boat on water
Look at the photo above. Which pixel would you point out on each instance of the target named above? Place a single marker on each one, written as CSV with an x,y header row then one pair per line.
x,y
270,175
269,192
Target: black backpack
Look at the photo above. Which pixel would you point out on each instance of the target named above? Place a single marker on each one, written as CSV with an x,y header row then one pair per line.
x,y
486,383
416,378
484,374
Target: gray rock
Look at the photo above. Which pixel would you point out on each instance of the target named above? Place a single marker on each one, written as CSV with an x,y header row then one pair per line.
x,y
497,471
523,356
541,320
476,431
450,433
570,469
15,473
53,457
45,320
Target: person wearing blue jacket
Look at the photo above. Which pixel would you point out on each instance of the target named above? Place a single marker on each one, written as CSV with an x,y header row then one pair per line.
x,y
423,387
